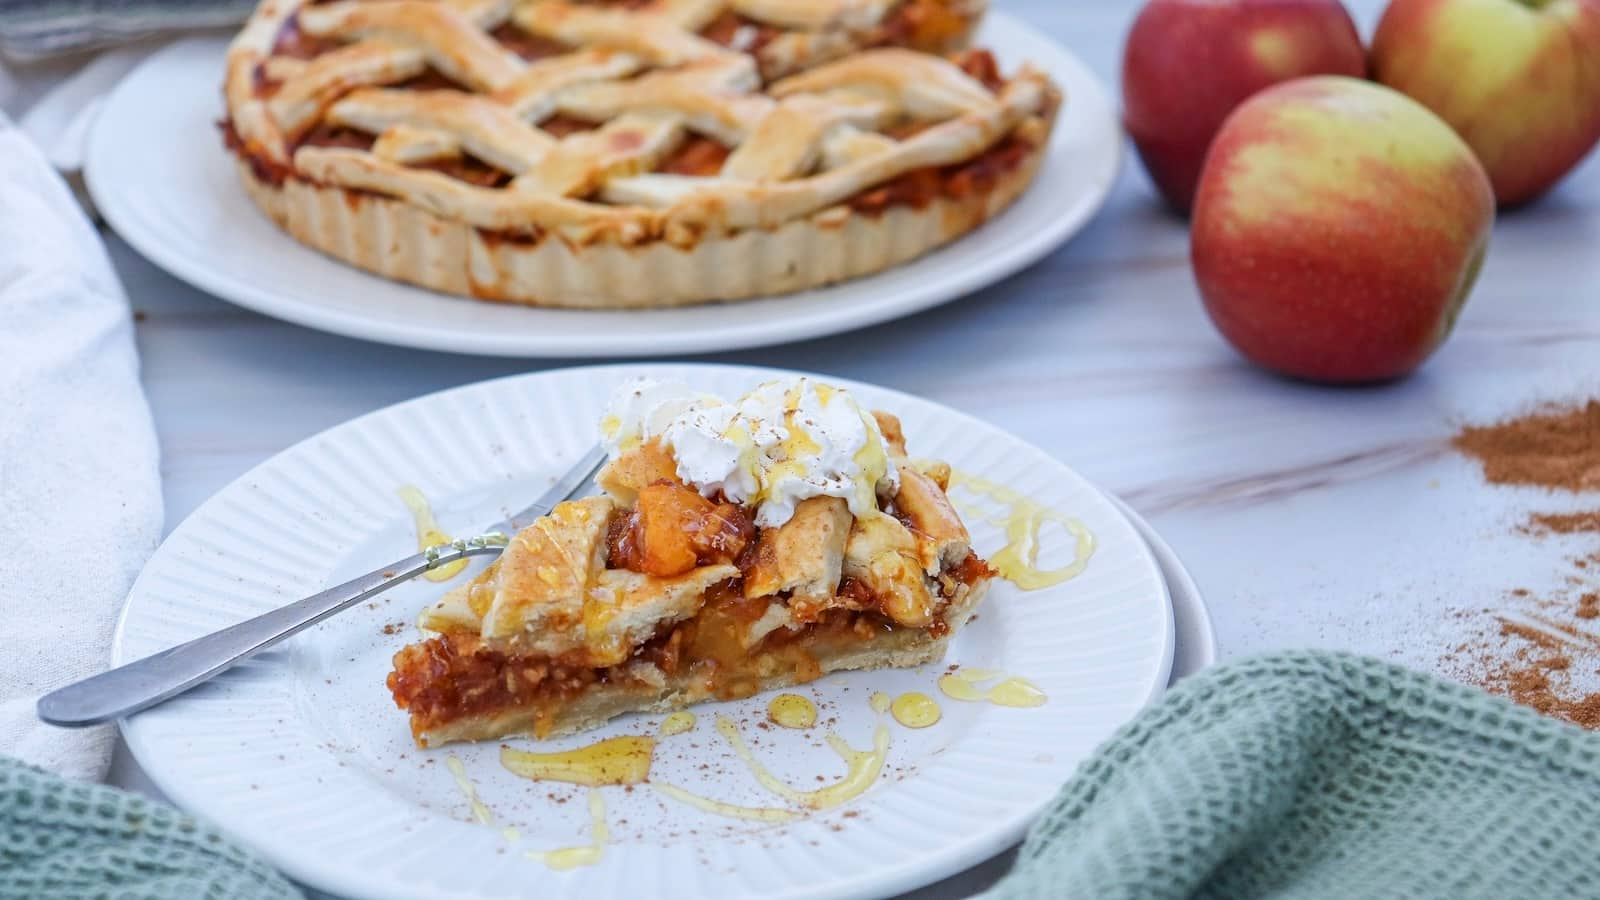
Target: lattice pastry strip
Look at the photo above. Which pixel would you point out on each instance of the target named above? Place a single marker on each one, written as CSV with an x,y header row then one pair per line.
x,y
739,204
810,141
410,145
445,119
916,84
309,87
582,163
393,40
399,39
811,15
712,98
655,38
846,145
453,42
534,94
787,139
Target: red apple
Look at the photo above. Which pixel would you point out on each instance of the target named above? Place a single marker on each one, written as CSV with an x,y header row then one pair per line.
x,y
1519,79
1338,230
1188,63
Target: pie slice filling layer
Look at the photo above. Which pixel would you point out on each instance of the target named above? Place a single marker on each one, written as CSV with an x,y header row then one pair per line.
x,y
738,547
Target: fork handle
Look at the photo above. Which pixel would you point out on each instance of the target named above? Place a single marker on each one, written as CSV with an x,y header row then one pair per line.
x,y
139,685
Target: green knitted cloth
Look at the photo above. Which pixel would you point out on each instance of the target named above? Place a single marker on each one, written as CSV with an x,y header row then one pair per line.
x,y
1303,775
61,838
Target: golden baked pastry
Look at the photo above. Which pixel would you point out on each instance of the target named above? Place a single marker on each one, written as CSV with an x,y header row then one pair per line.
x,y
631,153
738,547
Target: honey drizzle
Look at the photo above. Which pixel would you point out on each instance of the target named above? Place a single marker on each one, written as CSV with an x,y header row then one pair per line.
x,y
915,710
862,768
1017,692
618,760
480,811
792,711
1023,519
584,855
1010,691
677,723
429,534
770,814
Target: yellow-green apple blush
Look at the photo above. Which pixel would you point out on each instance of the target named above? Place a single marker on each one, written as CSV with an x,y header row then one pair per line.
x,y
1518,79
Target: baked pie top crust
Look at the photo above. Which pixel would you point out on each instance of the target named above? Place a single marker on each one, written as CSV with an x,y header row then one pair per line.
x,y
627,121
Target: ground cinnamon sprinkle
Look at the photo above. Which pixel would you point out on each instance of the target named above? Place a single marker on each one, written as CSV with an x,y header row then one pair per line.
x,y
1542,651
1533,636
1564,523
1589,606
1554,447
1533,667
1529,684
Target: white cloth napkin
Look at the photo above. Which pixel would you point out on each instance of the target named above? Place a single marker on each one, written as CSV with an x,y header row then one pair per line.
x,y
80,488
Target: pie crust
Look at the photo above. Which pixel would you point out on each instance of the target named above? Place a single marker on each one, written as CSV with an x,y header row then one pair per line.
x,y
652,598
624,154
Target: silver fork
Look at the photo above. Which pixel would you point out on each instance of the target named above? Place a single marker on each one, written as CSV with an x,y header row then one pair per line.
x,y
144,683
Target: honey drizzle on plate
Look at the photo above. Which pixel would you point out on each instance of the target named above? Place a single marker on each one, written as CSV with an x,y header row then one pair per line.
x,y
584,855
770,814
429,534
480,811
677,723
618,760
626,760
1023,519
792,711
915,710
862,768
1009,691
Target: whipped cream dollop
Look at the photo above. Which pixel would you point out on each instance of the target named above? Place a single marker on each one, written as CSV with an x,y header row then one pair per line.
x,y
784,442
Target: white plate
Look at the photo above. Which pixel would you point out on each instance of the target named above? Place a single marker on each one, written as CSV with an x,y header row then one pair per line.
x,y
302,755
158,172
1194,635
1194,650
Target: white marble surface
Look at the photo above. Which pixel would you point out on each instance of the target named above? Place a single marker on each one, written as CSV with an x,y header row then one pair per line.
x,y
1309,516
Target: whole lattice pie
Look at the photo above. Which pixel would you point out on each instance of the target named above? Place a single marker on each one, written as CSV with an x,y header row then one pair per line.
x,y
628,154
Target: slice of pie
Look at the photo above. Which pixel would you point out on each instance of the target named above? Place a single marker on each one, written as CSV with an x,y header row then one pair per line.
x,y
628,153
738,547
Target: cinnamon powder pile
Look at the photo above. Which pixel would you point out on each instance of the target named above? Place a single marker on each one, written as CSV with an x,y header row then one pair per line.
x,y
1554,447
1543,651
